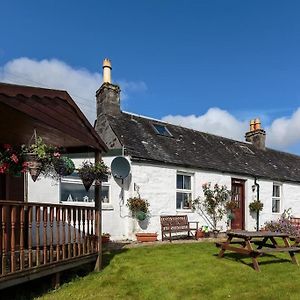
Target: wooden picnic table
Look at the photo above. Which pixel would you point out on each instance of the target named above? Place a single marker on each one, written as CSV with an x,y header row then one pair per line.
x,y
243,242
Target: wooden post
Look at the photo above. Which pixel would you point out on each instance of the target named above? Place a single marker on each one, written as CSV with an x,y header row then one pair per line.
x,y
98,218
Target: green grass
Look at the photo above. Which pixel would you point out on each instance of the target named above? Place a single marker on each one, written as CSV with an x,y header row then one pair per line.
x,y
185,271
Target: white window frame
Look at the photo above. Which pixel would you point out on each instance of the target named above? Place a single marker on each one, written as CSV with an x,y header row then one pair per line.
x,y
185,191
78,181
277,198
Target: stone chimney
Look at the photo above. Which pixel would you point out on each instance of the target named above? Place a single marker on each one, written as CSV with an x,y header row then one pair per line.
x,y
256,135
108,95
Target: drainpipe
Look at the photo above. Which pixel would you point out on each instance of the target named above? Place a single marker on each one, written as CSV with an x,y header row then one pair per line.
x,y
257,198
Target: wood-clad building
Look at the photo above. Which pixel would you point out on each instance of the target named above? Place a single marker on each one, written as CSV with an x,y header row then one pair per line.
x,y
38,239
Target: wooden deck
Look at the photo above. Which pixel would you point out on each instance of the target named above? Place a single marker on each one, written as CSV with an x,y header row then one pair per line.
x,y
42,239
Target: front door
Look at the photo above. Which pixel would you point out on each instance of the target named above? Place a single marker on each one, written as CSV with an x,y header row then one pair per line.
x,y
238,195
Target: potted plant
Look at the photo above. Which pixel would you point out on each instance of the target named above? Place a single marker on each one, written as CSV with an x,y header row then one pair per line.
x,y
139,207
88,172
39,157
200,234
105,238
231,205
63,165
256,206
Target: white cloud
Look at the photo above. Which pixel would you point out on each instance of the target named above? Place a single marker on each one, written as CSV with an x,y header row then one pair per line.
x,y
215,120
281,133
79,83
285,131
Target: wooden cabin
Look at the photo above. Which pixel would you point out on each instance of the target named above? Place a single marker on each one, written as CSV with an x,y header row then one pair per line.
x,y
39,239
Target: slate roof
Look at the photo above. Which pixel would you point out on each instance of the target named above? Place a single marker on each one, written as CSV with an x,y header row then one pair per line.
x,y
191,148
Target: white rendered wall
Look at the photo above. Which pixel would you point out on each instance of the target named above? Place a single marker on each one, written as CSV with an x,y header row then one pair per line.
x,y
158,185
115,214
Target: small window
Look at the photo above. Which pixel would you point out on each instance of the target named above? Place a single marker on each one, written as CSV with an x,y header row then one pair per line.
x,y
276,197
183,191
161,130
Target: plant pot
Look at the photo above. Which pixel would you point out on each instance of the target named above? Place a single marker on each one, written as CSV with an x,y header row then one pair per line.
x,y
146,237
105,239
87,182
215,233
200,234
63,166
34,168
141,216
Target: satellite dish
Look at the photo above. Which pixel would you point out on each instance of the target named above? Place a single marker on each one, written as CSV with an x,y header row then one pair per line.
x,y
120,167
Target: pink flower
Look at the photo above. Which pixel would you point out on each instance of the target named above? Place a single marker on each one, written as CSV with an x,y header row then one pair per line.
x,y
3,168
14,158
56,154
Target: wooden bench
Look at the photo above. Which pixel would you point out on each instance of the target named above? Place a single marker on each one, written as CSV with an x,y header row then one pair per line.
x,y
266,242
295,222
176,224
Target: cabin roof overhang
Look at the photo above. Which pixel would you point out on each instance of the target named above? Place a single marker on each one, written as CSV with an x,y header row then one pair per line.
x,y
53,114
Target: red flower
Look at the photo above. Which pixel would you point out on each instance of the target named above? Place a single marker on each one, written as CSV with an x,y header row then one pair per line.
x,y
14,158
3,168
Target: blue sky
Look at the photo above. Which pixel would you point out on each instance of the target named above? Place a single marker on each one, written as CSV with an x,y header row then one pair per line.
x,y
221,61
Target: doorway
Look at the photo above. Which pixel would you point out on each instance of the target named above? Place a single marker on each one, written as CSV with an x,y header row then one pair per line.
x,y
238,195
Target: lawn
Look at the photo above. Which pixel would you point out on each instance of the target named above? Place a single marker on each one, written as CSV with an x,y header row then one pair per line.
x,y
185,271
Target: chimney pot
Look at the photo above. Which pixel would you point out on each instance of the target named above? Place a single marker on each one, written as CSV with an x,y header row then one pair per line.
x,y
257,124
106,70
252,125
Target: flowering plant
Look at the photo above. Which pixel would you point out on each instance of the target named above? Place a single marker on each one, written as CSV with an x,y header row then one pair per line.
x,y
63,165
213,203
139,207
88,172
256,206
12,159
283,224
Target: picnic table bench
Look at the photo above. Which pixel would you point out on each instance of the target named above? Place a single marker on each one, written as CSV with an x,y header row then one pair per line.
x,y
176,224
265,242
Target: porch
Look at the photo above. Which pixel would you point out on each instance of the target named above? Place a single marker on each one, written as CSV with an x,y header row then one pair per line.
x,y
40,239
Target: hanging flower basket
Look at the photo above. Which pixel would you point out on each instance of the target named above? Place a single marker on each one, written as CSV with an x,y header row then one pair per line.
x,y
63,166
139,207
88,172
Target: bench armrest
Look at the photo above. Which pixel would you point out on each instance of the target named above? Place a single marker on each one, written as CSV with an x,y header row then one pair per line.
x,y
193,222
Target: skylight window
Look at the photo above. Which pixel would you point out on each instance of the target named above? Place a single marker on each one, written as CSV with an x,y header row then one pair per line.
x,y
161,129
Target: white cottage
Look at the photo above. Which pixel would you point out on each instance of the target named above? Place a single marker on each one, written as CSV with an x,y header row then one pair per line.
x,y
170,163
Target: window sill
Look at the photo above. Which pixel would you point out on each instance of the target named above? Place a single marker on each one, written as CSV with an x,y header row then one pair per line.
x,y
107,206
186,210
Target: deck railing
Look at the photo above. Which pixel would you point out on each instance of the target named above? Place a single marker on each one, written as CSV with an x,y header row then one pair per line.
x,y
33,235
